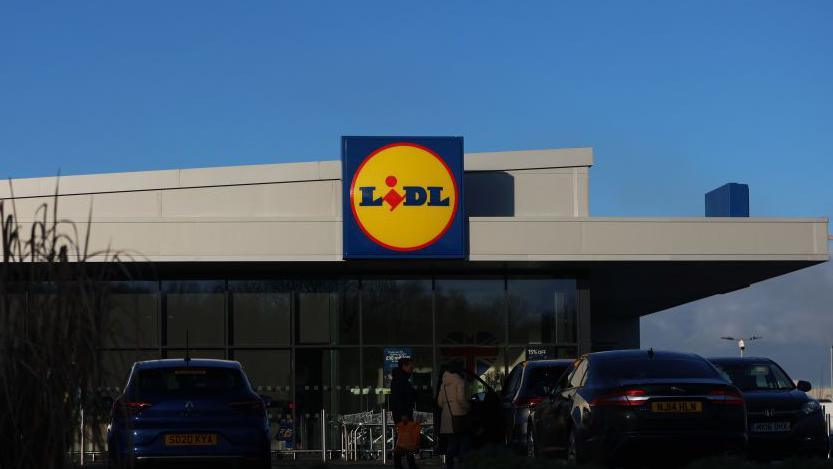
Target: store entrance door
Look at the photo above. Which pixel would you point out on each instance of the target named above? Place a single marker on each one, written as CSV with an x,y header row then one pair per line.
x,y
325,380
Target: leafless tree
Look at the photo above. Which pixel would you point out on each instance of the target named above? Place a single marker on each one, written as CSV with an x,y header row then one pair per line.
x,y
53,291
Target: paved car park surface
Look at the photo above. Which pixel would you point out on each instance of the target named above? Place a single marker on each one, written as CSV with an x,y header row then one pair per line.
x,y
424,463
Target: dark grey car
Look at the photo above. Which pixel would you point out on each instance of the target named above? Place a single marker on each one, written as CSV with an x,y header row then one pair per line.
x,y
783,420
528,384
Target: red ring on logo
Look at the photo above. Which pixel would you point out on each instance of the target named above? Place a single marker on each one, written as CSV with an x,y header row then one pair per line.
x,y
432,240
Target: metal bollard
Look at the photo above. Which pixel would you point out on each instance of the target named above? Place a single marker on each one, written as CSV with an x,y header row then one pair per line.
x,y
384,437
354,437
323,435
82,437
342,438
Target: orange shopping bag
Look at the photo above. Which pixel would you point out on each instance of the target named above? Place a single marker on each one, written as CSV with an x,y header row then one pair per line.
x,y
407,436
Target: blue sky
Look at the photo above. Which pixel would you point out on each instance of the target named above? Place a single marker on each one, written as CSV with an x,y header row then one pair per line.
x,y
675,97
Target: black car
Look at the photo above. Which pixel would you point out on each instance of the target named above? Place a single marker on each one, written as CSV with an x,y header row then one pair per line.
x,y
621,405
783,420
528,383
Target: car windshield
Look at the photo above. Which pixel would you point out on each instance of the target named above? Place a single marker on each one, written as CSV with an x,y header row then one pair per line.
x,y
756,376
539,378
186,381
630,369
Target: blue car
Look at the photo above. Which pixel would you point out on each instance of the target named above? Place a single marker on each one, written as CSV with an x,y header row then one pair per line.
x,y
191,411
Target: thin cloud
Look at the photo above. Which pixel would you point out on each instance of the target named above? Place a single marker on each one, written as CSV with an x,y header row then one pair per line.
x,y
793,313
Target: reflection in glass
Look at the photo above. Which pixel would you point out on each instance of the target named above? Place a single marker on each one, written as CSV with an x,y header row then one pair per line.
x,y
471,311
327,312
116,366
488,364
324,379
422,377
213,354
397,312
541,310
132,315
261,314
269,372
12,309
314,313
198,308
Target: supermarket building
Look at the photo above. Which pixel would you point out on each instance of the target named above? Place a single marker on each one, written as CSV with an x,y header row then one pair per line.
x,y
251,261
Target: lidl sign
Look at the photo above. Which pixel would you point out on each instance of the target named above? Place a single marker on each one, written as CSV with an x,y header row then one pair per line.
x,y
403,197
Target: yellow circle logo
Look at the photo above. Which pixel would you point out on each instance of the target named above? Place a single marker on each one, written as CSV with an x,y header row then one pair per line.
x,y
404,197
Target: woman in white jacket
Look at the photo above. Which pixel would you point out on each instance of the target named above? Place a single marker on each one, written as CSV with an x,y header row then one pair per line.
x,y
452,400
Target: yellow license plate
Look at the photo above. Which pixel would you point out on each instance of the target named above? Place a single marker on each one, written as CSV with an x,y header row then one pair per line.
x,y
677,407
191,439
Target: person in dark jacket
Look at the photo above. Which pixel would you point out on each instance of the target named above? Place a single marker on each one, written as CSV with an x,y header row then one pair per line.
x,y
403,398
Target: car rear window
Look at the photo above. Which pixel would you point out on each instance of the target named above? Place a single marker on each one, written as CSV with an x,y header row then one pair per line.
x,y
539,377
757,376
186,381
657,368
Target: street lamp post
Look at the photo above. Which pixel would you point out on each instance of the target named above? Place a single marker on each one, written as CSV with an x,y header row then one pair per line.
x,y
741,343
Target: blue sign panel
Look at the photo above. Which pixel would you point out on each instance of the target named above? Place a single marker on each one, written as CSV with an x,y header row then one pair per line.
x,y
392,356
403,197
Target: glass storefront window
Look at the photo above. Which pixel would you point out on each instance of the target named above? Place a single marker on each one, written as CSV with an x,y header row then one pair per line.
x,y
315,311
270,373
397,311
198,308
116,366
261,313
213,354
327,312
376,379
317,343
471,311
12,309
486,363
325,379
541,311
132,315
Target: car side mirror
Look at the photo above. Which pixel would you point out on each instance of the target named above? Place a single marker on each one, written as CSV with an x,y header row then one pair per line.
x,y
804,386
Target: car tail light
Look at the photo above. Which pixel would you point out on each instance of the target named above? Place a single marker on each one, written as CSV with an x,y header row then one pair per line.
x,y
252,407
530,401
623,398
725,396
130,407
